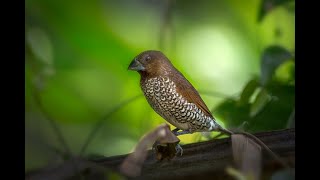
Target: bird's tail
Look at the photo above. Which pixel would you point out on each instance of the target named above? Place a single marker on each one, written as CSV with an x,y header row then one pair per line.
x,y
225,131
217,127
257,140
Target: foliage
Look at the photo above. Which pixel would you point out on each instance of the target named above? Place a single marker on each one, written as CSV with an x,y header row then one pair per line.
x,y
77,53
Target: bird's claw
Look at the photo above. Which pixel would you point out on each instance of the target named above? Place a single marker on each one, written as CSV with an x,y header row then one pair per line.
x,y
154,146
179,150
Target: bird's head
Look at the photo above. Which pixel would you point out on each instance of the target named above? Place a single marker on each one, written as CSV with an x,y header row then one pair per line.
x,y
151,63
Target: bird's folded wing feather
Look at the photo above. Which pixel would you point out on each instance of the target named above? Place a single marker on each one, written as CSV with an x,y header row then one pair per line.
x,y
185,88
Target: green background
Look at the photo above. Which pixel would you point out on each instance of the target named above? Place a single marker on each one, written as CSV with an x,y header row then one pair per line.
x,y
239,55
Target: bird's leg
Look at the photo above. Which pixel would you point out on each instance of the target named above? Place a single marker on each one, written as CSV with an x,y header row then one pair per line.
x,y
154,145
179,149
182,132
175,131
178,133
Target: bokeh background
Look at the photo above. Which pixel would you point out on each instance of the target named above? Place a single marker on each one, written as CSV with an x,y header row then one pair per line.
x,y
80,99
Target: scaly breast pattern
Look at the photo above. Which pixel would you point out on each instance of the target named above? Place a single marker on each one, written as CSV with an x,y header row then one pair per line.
x,y
161,94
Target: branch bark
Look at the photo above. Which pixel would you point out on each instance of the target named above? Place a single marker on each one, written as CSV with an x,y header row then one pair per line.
x,y
207,160
210,159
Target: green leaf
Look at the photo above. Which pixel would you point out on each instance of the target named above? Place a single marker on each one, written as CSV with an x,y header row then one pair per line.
x,y
275,114
248,91
260,102
272,57
285,72
232,114
268,5
40,45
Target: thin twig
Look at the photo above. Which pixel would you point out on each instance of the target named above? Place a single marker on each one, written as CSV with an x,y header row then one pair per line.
x,y
35,93
99,124
52,123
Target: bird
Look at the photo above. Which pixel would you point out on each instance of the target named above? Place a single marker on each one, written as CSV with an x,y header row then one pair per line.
x,y
171,95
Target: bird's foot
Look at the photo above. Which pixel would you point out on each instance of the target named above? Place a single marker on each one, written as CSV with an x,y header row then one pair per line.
x,y
179,150
154,146
166,151
175,131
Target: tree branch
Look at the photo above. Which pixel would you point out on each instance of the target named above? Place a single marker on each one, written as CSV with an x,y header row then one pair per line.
x,y
203,160
210,159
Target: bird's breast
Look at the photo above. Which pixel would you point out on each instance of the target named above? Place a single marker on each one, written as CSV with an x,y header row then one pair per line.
x,y
161,93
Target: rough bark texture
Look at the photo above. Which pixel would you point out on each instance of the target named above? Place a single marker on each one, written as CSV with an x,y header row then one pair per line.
x,y
209,159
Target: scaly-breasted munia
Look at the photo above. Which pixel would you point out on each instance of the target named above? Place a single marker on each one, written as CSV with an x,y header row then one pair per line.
x,y
171,95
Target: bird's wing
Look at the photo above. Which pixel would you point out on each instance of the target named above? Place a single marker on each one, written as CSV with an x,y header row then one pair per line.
x,y
185,88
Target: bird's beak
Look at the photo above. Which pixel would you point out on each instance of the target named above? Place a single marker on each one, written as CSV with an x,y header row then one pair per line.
x,y
135,65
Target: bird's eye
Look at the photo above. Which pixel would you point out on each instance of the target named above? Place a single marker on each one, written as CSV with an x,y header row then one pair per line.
x,y
148,58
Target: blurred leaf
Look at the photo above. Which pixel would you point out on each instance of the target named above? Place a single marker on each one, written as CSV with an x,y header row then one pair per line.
x,y
285,72
232,114
40,45
260,102
39,57
268,5
248,91
274,116
272,57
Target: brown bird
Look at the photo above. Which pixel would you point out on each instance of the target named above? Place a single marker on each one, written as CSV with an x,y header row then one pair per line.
x,y
171,95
